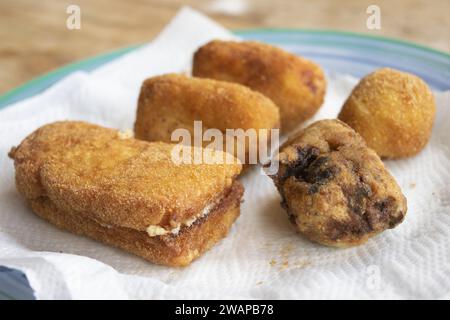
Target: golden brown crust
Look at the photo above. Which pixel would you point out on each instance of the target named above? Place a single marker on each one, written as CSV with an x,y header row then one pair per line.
x,y
170,250
394,112
121,182
336,190
173,101
296,85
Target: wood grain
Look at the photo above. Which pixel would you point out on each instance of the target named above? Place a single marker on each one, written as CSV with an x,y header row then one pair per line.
x,y
34,37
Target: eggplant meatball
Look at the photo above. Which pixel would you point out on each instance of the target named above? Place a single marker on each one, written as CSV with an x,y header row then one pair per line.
x,y
335,189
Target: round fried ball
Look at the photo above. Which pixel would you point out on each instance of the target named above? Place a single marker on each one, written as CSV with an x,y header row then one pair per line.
x,y
393,111
334,188
296,85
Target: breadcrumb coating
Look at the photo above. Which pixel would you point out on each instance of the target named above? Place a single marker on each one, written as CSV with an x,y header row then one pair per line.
x,y
120,182
174,101
296,85
103,184
393,111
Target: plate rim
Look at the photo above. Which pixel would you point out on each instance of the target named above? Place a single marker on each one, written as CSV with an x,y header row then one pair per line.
x,y
15,95
360,35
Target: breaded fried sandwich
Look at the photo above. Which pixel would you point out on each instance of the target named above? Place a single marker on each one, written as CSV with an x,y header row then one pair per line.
x,y
127,193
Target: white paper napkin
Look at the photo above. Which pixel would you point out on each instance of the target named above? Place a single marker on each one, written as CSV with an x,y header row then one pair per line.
x,y
262,257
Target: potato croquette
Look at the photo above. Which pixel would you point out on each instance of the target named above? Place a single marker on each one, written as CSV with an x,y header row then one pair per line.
x,y
95,182
335,189
296,85
173,101
393,111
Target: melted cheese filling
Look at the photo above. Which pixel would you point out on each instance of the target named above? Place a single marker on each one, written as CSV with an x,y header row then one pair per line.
x,y
154,231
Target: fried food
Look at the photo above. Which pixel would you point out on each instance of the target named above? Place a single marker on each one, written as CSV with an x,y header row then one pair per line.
x,y
296,85
335,189
174,101
127,193
394,112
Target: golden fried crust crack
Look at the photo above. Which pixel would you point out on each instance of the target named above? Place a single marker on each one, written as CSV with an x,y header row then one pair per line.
x,y
335,189
296,85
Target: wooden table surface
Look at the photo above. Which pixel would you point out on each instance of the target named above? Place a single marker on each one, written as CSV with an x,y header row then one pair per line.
x,y
35,39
